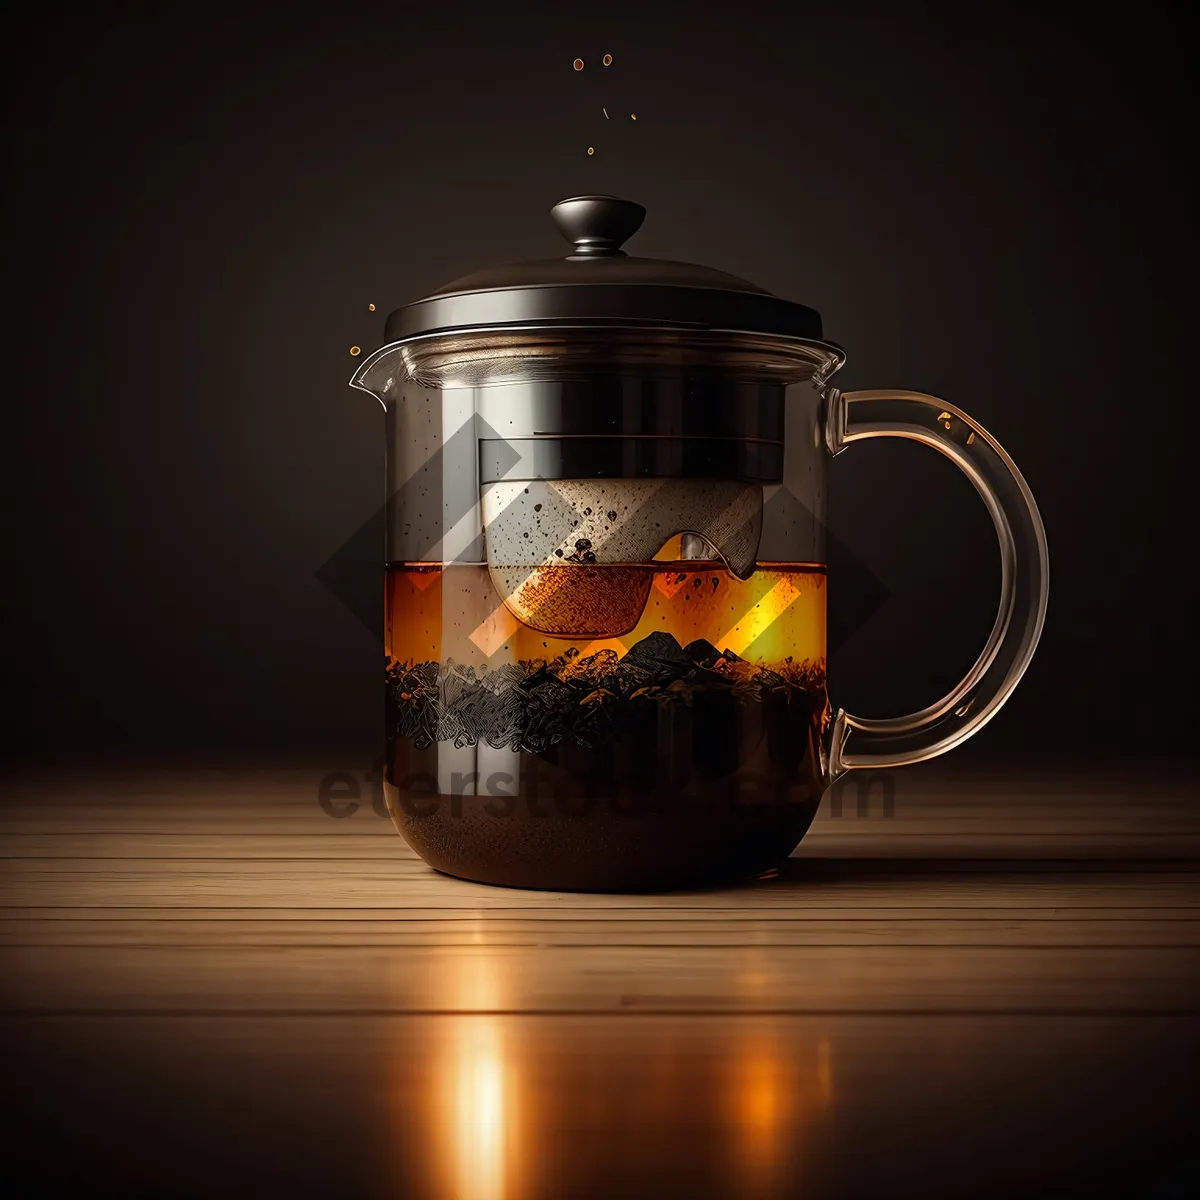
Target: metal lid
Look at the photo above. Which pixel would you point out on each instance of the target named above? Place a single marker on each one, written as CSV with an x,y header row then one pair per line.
x,y
599,283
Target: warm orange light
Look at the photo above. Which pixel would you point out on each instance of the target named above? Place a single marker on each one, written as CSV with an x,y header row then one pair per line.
x,y
437,613
479,1112
764,614
763,1100
477,1073
778,1088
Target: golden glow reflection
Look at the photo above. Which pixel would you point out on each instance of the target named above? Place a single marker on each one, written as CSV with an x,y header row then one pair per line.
x,y
479,1102
779,1088
762,1103
509,1103
480,1115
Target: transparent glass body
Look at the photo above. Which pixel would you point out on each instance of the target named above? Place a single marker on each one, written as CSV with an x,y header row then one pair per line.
x,y
605,592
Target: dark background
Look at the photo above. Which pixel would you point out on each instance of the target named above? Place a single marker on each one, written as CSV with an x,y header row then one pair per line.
x,y
988,206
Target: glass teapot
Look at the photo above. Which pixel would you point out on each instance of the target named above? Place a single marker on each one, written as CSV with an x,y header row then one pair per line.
x,y
605,569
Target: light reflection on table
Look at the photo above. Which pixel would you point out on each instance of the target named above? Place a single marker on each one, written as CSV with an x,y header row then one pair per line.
x,y
507,1094
209,992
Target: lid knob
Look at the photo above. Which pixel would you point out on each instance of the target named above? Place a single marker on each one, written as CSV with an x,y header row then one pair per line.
x,y
597,225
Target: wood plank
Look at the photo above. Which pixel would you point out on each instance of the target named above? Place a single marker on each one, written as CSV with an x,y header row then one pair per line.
x,y
274,885
311,994
233,891
1108,928
603,978
1057,839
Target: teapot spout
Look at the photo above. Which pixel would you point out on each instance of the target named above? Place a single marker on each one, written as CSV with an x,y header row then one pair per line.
x,y
380,373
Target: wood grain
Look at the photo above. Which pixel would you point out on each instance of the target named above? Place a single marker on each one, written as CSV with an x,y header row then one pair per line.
x,y
176,932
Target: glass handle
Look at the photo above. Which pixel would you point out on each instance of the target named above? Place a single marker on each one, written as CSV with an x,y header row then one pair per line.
x,y
1024,577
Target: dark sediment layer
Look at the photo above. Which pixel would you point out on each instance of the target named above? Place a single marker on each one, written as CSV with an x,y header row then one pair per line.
x,y
538,704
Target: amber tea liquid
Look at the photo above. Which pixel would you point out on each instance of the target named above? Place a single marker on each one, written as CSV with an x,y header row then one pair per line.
x,y
434,612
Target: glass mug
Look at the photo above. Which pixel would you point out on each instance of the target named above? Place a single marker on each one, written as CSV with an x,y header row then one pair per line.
x,y
605,569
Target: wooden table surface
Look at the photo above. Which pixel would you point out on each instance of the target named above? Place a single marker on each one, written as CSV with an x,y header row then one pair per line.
x,y
212,987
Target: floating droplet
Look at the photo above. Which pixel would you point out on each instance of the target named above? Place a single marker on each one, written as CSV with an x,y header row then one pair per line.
x,y
578,64
370,308
591,149
608,60
355,351
970,439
